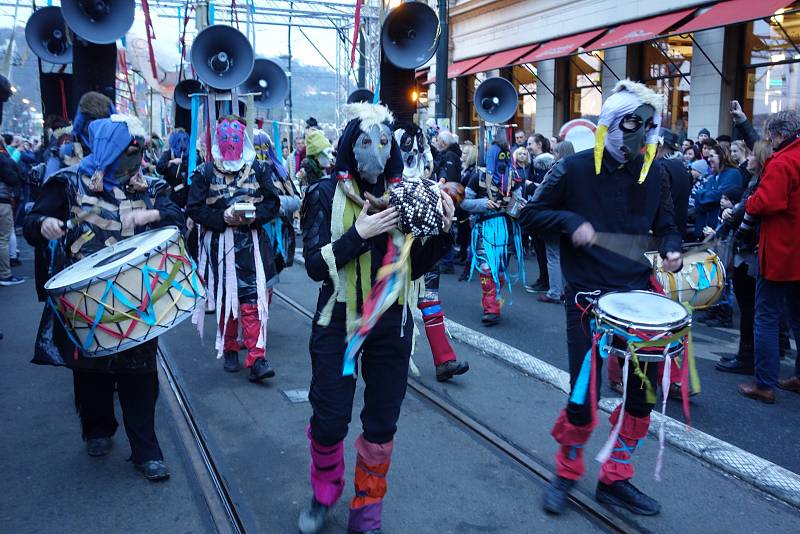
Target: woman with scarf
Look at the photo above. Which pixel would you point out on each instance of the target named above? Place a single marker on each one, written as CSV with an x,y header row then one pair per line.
x,y
345,240
110,177
231,198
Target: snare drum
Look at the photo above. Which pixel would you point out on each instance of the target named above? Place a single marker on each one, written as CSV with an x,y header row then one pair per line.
x,y
640,316
127,293
699,283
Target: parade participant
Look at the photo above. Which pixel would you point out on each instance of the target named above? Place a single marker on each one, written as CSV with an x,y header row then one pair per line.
x,y
231,198
492,196
280,230
343,248
611,189
319,156
110,177
173,165
92,106
417,162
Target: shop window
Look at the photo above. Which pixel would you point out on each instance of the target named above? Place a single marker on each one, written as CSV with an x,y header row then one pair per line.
x,y
666,68
524,81
585,97
772,66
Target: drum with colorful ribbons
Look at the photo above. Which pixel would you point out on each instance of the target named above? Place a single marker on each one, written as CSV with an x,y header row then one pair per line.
x,y
699,283
127,293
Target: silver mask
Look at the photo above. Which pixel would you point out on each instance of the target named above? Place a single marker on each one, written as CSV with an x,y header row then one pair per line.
x,y
372,150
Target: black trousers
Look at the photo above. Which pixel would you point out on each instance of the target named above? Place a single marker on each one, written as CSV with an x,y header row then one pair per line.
x,y
94,399
579,341
383,365
744,287
541,259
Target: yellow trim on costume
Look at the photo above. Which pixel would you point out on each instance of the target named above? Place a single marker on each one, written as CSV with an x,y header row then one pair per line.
x,y
599,145
649,156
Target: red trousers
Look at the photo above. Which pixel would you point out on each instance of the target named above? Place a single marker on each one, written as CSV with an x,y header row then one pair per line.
x,y
251,327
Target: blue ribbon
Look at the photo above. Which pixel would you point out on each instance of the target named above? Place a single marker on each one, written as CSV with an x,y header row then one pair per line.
x,y
582,385
193,138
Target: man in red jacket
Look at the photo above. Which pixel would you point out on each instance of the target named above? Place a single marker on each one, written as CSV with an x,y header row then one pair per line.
x,y
776,202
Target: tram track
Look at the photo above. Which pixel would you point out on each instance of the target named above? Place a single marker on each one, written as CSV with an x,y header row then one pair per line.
x,y
604,517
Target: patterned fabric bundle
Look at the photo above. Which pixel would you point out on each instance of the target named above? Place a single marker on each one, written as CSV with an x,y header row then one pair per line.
x,y
419,205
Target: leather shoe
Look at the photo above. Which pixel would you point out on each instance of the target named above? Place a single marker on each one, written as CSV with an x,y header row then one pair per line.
x,y
556,495
312,518
549,300
98,446
736,365
231,361
448,370
490,319
261,369
153,470
790,384
752,391
623,493
537,287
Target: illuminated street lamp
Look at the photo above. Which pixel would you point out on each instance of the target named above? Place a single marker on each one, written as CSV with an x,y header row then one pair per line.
x,y
26,101
32,108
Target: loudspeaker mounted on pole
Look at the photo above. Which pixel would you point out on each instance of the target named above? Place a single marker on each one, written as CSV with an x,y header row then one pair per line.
x,y
269,80
409,35
222,57
496,100
46,34
184,91
99,21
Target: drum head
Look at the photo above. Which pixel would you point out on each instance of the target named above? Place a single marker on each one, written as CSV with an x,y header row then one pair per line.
x,y
110,259
642,308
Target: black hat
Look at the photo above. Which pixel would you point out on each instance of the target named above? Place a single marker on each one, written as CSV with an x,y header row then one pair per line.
x,y
670,140
311,122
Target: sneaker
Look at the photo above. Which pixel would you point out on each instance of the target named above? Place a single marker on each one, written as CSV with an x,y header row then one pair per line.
x,y
98,446
153,470
448,370
623,493
261,369
231,361
556,495
312,519
11,281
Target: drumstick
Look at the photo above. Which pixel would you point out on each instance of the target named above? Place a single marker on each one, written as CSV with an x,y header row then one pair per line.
x,y
79,218
629,246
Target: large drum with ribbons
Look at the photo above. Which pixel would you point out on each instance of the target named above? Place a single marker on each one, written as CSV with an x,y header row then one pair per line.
x,y
127,293
652,323
699,283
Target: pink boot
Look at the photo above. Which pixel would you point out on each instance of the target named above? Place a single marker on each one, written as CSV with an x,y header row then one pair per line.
x,y
327,470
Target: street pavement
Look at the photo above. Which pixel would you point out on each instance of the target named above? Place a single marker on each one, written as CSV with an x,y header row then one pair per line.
x,y
443,478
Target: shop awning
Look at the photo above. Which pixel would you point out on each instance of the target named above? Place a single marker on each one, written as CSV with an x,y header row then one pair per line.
x,y
560,47
641,30
502,59
460,67
731,12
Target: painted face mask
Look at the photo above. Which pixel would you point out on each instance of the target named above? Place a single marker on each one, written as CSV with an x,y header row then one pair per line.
x,y
412,151
325,158
372,150
501,166
634,127
179,144
261,145
230,138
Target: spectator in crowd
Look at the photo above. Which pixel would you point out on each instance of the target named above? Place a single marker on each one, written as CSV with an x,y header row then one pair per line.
x,y
705,147
519,140
295,159
680,181
690,155
702,135
686,144
742,127
723,177
745,264
542,161
739,154
776,202
448,166
469,165
9,179
724,140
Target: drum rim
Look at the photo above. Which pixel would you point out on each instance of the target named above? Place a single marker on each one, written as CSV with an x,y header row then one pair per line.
x,y
104,274
604,316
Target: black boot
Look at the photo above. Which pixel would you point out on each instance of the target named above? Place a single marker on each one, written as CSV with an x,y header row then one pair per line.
x,y
312,518
448,370
261,369
623,493
153,470
556,495
231,361
737,366
98,446
490,319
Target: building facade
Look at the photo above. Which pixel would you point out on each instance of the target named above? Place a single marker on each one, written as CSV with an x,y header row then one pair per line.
x,y
565,57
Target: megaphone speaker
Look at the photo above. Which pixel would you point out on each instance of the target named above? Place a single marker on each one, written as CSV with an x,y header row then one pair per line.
x,y
184,91
269,81
361,95
222,57
46,34
99,21
496,100
410,35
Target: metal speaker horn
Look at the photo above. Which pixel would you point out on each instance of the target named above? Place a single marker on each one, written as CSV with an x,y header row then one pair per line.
x,y
269,81
409,35
99,21
361,95
183,92
46,34
496,100
222,57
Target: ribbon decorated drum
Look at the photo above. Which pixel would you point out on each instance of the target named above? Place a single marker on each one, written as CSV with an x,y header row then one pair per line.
x,y
127,293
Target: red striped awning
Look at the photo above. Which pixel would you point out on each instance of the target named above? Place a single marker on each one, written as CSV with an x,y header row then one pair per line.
x,y
641,30
460,67
561,47
502,59
732,12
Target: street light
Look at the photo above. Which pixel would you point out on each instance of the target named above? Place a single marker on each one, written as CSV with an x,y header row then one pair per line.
x,y
32,108
26,101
